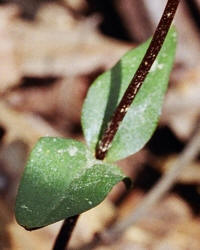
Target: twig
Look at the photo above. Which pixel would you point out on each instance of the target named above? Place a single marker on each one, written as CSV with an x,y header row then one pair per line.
x,y
138,79
104,144
160,189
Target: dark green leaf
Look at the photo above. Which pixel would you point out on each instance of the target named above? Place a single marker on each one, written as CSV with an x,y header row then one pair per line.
x,y
61,179
142,117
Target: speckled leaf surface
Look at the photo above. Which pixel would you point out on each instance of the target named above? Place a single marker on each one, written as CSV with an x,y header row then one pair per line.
x,y
142,117
61,179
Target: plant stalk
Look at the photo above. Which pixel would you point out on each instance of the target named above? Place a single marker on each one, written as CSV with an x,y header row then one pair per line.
x,y
65,233
137,81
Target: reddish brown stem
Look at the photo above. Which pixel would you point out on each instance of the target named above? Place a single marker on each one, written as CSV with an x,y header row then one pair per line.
x,y
137,81
65,233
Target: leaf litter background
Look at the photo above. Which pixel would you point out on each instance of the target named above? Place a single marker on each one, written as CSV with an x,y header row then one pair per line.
x,y
50,52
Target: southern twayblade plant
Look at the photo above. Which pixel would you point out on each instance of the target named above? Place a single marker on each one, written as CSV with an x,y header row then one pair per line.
x,y
62,177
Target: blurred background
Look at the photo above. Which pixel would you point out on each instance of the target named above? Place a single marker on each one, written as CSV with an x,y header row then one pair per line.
x,y
50,53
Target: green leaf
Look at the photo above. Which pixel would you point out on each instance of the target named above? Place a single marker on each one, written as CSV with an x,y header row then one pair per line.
x,y
142,117
61,179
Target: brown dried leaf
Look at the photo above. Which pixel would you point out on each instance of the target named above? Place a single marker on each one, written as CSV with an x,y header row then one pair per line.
x,y
182,105
158,227
91,222
25,127
62,101
9,68
58,45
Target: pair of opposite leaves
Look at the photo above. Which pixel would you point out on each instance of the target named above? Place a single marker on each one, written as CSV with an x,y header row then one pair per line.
x,y
62,178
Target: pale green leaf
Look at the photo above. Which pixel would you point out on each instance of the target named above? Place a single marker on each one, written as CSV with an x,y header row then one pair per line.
x,y
142,117
61,179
